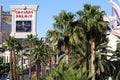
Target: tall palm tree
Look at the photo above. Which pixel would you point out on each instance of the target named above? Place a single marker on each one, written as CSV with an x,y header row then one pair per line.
x,y
19,49
29,43
64,31
10,43
15,47
91,19
38,47
39,54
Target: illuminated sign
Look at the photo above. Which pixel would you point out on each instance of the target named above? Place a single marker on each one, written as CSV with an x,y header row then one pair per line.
x,y
23,26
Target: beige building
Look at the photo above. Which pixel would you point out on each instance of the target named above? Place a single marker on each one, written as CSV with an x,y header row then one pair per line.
x,y
5,24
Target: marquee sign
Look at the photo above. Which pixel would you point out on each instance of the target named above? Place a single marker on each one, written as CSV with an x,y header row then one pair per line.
x,y
23,20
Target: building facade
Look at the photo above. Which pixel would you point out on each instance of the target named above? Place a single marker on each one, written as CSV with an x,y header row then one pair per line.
x,y
5,30
5,24
19,23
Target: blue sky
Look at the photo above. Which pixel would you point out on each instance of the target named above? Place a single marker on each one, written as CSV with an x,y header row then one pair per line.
x,y
49,8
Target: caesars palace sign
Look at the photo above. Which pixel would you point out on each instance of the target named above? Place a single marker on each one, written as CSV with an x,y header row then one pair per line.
x,y
24,13
23,20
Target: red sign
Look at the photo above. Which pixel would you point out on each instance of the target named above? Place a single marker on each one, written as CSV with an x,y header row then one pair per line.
x,y
24,13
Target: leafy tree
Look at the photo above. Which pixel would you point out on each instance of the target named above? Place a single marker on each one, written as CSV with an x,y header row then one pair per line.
x,y
64,31
94,26
29,44
10,44
20,49
16,48
68,72
41,54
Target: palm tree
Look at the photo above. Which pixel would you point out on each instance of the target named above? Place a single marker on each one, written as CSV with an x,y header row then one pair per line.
x,y
40,55
19,48
29,43
115,73
10,46
91,19
67,72
38,47
15,47
104,66
64,31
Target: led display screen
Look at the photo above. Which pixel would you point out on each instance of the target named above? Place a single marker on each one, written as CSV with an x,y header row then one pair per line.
x,y
23,26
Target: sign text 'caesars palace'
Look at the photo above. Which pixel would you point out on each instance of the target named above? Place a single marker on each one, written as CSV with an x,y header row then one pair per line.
x,y
24,13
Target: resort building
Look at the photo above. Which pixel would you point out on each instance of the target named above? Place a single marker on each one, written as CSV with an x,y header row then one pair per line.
x,y
5,30
20,22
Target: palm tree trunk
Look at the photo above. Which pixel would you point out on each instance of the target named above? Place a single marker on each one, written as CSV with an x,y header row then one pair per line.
x,y
11,63
37,70
30,49
14,66
50,63
22,76
44,70
67,50
93,58
67,54
87,58
30,68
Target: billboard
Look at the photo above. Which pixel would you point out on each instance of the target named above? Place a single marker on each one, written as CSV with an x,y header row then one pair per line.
x,y
23,26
